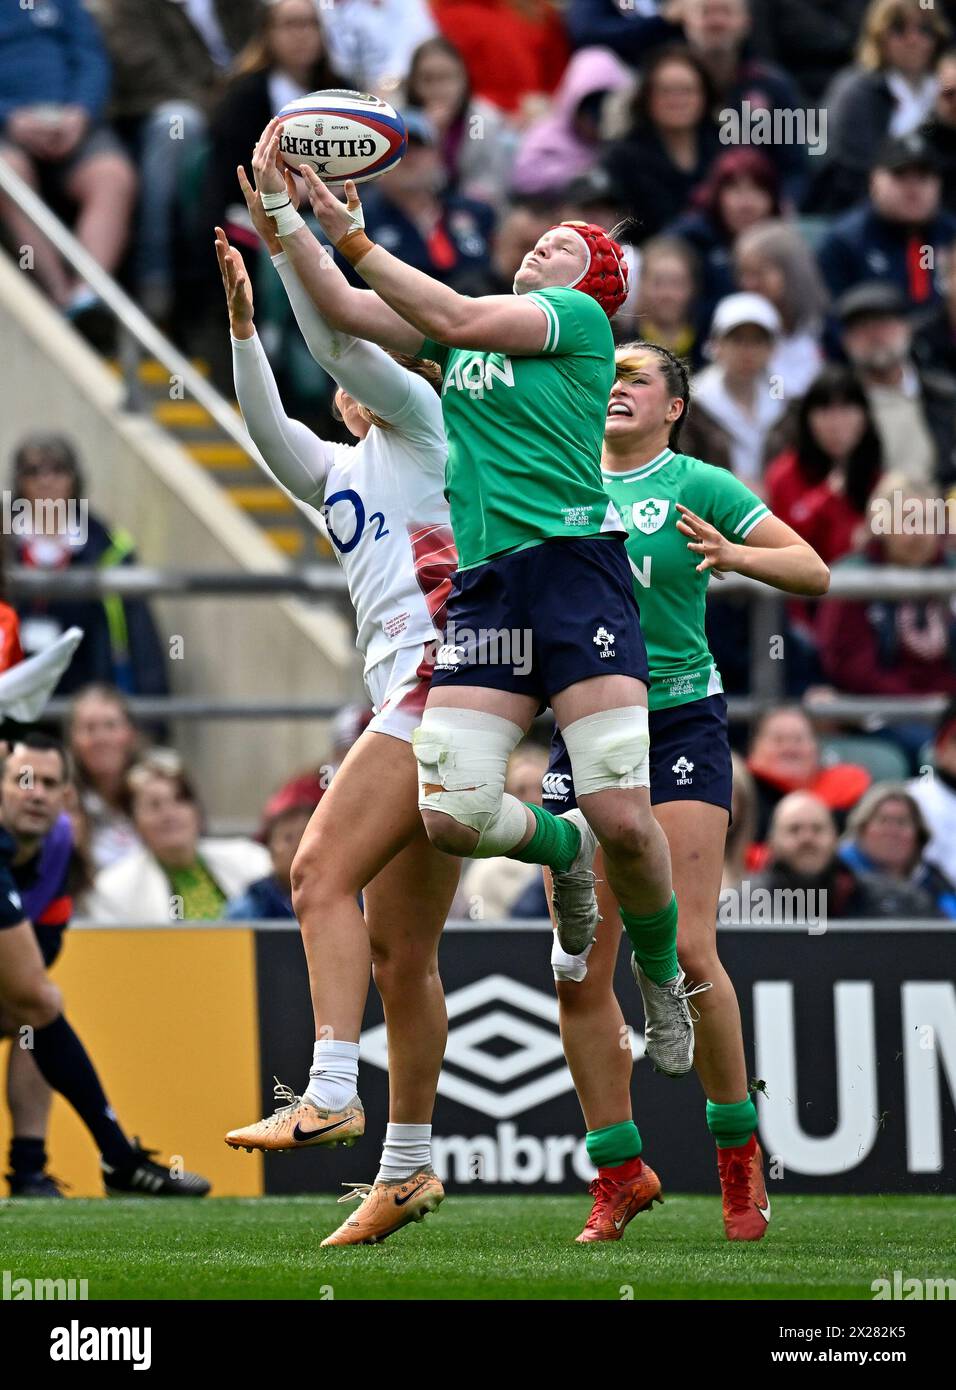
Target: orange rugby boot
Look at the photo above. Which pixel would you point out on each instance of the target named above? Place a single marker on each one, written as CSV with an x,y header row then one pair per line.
x,y
298,1124
746,1204
387,1207
619,1194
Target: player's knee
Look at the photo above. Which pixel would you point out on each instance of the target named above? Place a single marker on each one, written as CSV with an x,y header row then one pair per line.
x,y
462,758
35,1003
448,834
630,836
398,967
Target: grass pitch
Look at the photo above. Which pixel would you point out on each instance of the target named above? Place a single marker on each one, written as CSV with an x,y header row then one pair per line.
x,y
475,1247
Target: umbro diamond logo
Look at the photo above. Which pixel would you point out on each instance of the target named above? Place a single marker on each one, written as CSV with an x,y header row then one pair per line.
x,y
497,1007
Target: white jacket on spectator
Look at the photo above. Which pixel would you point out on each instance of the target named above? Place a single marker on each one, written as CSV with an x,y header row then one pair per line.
x,y
937,801
372,41
137,890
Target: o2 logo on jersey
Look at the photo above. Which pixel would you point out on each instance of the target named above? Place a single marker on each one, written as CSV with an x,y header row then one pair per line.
x,y
350,496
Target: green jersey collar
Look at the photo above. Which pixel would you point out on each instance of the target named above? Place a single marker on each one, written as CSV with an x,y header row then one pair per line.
x,y
645,470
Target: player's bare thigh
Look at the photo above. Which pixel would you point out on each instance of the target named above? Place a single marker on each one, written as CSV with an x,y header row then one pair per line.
x,y
368,814
519,709
595,695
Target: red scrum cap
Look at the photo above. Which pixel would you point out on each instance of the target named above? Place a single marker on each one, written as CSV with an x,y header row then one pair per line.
x,y
604,277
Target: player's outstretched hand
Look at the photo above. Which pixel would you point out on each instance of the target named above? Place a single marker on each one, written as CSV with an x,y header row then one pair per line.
x,y
235,281
261,220
265,159
718,554
335,218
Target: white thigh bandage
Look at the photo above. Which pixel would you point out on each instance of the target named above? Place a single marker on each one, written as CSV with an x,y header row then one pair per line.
x,y
565,967
609,751
462,761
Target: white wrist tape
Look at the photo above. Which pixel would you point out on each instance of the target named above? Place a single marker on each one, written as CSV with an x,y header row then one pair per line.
x,y
280,209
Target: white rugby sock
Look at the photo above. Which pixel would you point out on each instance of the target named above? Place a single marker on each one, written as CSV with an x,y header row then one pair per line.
x,y
333,1077
407,1148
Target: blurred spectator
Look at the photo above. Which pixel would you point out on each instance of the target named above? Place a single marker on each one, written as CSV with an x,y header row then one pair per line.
x,y
566,143
666,293
898,232
308,788
670,145
804,860
515,50
443,235
822,485
774,260
886,834
372,41
934,337
914,407
285,58
940,129
894,646
630,30
718,32
477,143
935,793
812,39
120,644
177,874
785,757
493,887
104,743
54,83
170,62
741,191
889,92
271,897
743,825
736,390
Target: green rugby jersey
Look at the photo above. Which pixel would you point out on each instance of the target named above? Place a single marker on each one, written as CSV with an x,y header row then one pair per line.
x,y
670,593
525,434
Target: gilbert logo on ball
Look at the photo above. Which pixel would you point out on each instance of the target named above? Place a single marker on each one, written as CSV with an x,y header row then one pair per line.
x,y
342,135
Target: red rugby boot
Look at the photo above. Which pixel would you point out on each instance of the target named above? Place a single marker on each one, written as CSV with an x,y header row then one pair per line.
x,y
746,1204
619,1194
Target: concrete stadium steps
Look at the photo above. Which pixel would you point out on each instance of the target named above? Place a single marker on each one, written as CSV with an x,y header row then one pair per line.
x,y
239,476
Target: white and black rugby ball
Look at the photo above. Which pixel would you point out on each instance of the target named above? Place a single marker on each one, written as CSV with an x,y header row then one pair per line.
x,y
342,135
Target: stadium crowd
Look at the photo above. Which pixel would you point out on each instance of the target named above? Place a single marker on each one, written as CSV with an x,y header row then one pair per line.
x,y
784,173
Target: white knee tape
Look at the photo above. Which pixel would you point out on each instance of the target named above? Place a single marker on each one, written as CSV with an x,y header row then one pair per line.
x,y
565,967
609,751
462,762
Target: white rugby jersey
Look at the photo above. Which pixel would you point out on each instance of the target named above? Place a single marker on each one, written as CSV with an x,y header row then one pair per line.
x,y
383,498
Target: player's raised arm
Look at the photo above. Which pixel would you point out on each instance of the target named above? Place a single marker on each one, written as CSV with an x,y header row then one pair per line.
x,y
294,455
344,307
494,323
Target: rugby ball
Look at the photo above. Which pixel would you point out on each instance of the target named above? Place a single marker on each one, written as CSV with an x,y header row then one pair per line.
x,y
342,135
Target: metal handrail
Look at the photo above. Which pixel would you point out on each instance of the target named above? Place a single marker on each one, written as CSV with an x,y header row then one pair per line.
x,y
126,311
140,581
140,332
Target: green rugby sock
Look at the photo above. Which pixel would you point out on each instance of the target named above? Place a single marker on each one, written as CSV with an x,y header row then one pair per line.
x,y
555,842
732,1124
614,1145
654,940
